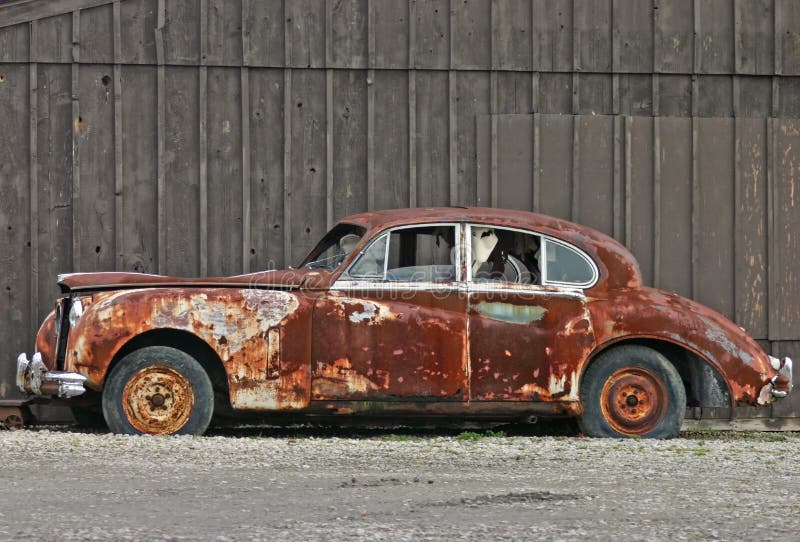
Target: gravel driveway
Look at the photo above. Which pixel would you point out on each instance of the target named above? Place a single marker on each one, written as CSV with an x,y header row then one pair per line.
x,y
260,484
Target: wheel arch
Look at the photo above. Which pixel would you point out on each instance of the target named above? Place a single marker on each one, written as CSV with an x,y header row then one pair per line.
x,y
704,383
187,342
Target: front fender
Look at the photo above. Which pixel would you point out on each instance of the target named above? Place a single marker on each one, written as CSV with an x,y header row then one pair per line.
x,y
247,328
655,314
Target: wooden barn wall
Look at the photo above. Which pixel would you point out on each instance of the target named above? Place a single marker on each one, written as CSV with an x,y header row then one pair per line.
x,y
211,137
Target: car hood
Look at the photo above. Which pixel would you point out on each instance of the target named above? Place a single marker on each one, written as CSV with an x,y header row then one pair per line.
x,y
285,279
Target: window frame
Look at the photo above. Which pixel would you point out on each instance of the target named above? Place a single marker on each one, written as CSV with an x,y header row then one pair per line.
x,y
346,278
544,240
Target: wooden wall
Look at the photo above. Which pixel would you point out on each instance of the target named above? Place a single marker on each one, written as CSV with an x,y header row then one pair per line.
x,y
211,137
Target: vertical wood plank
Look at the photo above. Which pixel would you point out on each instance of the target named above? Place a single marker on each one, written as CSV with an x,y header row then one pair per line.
x,y
118,178
412,34
287,166
628,180
76,119
773,252
33,165
247,245
412,138
161,101
329,189
537,162
657,221
575,187
452,115
618,219
695,208
203,137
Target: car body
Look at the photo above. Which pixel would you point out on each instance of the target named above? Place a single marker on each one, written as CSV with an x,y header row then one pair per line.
x,y
470,313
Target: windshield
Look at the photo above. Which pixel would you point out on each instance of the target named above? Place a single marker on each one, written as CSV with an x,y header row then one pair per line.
x,y
334,247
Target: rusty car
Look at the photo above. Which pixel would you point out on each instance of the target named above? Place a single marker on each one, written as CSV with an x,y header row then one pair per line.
x,y
437,313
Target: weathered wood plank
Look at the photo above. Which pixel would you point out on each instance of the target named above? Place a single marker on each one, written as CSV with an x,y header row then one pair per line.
x,y
15,257
472,91
751,227
182,32
24,12
139,159
674,37
307,174
640,211
784,298
432,139
305,33
264,23
224,172
94,133
511,28
181,173
54,146
471,35
391,34
347,22
633,27
432,34
596,173
224,46
391,139
97,35
716,37
139,31
556,165
754,40
715,215
515,159
15,43
552,35
787,35
593,26
266,166
349,143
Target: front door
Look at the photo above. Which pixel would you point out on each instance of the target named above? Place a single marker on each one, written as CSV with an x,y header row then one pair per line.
x,y
393,327
527,334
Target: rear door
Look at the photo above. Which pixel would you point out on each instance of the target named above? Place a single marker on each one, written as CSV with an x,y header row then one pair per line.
x,y
528,330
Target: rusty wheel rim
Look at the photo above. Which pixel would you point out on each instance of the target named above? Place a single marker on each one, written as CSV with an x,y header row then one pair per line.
x,y
158,400
634,401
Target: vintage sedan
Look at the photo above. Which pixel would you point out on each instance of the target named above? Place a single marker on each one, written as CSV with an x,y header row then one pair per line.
x,y
458,313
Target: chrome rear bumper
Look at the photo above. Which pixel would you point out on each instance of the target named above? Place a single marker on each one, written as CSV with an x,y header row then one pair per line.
x,y
781,384
34,378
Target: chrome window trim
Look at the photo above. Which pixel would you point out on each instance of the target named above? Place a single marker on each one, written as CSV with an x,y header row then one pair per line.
x,y
345,282
592,265
542,260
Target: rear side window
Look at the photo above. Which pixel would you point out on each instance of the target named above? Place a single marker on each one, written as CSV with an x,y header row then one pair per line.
x,y
565,265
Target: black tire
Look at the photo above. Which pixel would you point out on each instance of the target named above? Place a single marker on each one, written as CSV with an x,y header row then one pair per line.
x,y
158,390
632,391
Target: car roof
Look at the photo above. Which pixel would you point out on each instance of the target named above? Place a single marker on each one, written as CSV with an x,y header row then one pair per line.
x,y
621,268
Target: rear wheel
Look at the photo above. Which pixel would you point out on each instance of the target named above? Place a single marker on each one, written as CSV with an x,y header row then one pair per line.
x,y
632,391
158,390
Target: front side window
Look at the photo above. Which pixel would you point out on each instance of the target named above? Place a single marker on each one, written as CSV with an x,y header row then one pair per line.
x,y
418,254
334,247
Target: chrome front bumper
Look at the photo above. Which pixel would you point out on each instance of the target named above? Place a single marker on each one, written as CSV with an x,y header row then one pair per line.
x,y
781,384
34,378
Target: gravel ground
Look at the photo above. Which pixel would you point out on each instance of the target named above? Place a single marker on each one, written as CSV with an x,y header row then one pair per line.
x,y
256,484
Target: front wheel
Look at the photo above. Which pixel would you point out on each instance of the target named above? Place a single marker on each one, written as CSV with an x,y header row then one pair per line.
x,y
158,390
632,391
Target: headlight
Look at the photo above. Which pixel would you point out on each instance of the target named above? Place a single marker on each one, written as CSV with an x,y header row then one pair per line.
x,y
75,312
